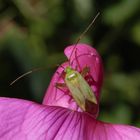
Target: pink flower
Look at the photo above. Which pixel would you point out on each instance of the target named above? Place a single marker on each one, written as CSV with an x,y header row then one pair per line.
x,y
86,56
59,117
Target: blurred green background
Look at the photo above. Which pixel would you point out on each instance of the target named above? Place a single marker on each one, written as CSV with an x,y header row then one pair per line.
x,y
34,33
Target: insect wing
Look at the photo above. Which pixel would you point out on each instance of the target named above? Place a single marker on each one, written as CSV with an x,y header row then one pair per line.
x,y
86,89
80,90
73,86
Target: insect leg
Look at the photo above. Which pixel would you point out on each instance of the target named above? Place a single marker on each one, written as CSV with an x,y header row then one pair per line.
x,y
60,86
61,75
87,76
84,71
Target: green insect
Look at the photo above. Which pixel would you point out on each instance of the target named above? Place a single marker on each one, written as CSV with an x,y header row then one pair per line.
x,y
75,81
79,88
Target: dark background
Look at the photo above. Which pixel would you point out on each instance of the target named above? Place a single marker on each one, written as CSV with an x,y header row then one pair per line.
x,y
34,33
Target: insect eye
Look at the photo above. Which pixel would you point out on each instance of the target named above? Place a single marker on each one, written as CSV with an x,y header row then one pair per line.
x,y
72,76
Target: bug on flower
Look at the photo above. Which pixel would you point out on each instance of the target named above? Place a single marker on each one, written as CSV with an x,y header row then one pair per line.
x,y
79,88
75,81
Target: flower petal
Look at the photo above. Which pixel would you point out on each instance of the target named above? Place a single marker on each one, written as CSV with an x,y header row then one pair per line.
x,y
83,55
25,120
122,132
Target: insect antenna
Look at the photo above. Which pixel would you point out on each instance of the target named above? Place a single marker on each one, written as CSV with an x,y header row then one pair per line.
x,y
27,73
76,58
82,35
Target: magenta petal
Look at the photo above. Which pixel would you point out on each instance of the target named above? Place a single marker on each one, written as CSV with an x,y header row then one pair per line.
x,y
25,120
86,56
122,132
